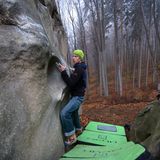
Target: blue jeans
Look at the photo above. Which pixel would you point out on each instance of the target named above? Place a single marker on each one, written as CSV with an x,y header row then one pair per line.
x,y
70,117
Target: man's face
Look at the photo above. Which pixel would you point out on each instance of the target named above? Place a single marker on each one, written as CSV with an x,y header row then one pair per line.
x,y
75,59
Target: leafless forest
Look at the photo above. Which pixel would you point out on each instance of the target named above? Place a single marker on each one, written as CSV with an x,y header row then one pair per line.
x,y
121,39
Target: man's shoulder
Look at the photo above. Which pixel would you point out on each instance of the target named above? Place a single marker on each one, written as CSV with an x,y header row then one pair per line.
x,y
81,65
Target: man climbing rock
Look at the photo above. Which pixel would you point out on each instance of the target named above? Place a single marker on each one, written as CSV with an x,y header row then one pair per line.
x,y
77,84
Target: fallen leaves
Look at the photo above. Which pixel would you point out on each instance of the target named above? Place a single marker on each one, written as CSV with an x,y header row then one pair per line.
x,y
119,114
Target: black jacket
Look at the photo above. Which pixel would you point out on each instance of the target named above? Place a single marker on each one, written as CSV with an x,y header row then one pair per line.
x,y
77,80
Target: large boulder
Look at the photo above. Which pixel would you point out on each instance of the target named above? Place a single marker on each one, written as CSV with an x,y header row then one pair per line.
x,y
31,90
146,128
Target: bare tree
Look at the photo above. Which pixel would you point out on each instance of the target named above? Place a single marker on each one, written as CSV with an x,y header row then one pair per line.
x,y
118,71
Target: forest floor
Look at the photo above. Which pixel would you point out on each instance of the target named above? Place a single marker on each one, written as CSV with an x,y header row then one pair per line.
x,y
116,110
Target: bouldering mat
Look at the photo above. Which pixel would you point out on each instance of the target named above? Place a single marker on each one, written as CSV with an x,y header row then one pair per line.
x,y
101,138
82,159
90,151
128,152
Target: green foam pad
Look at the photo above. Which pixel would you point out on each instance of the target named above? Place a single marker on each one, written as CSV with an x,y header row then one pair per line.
x,y
134,153
82,159
102,127
101,138
131,153
88,151
128,152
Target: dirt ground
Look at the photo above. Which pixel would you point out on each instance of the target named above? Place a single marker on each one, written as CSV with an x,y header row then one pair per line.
x,y
111,112
119,114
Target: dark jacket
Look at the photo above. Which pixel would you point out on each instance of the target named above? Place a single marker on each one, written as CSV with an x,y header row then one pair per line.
x,y
77,80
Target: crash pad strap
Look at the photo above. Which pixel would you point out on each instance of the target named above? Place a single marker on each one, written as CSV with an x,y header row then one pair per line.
x,y
105,128
101,138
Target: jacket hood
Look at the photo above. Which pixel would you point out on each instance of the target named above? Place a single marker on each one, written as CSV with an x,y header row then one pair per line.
x,y
82,64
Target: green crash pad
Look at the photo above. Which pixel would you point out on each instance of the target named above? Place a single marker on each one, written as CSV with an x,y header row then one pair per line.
x,y
89,151
83,159
133,153
105,128
129,151
101,138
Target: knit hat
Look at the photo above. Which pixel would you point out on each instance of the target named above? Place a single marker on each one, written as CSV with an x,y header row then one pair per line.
x,y
79,53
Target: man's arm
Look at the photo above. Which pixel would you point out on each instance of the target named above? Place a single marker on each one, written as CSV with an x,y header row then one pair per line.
x,y
74,78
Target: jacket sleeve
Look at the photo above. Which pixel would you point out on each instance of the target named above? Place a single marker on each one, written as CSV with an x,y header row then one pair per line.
x,y
74,77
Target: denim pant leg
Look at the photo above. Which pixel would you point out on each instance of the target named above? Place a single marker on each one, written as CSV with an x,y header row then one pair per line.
x,y
76,120
67,115
75,115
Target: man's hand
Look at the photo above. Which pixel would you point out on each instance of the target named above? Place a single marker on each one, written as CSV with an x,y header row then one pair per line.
x,y
61,67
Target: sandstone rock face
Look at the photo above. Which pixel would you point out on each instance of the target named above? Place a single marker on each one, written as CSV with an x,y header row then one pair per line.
x,y
146,128
31,89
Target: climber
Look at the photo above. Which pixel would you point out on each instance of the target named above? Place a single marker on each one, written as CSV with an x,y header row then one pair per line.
x,y
76,83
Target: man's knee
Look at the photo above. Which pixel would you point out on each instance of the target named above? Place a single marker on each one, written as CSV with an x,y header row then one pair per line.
x,y
63,114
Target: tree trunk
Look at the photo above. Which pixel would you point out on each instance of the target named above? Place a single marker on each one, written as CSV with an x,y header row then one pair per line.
x,y
140,65
118,71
